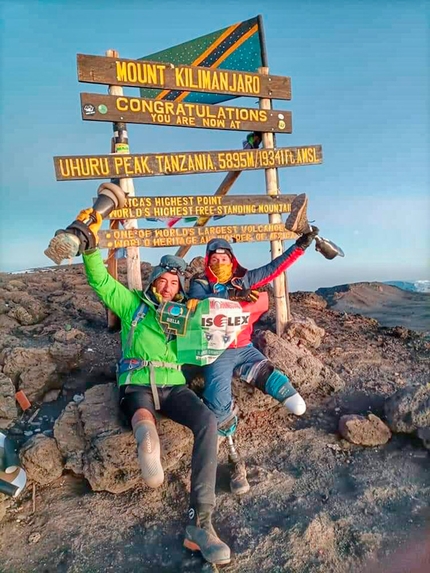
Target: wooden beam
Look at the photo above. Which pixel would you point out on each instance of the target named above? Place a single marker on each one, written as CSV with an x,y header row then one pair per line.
x,y
160,75
134,277
204,206
78,167
100,107
192,236
275,245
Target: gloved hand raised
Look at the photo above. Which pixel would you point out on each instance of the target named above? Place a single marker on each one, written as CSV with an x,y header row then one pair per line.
x,y
192,303
305,240
92,219
245,295
86,227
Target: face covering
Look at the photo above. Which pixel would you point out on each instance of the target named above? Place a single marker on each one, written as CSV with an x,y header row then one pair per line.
x,y
222,271
157,295
177,298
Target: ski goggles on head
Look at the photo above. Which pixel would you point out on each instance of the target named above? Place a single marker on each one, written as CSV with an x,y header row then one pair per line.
x,y
221,252
176,270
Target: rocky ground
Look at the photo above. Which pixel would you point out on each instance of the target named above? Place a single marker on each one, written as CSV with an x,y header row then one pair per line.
x,y
347,482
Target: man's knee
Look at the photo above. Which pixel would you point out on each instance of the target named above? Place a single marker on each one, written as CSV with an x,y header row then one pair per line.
x,y
277,384
262,375
206,421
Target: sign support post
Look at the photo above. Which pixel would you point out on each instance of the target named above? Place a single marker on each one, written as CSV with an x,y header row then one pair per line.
x,y
279,288
134,276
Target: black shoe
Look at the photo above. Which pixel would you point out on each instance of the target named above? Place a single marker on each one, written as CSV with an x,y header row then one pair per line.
x,y
201,536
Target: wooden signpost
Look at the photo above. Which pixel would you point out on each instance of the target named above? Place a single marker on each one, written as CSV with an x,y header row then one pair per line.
x,y
180,82
202,206
99,107
69,168
138,73
192,236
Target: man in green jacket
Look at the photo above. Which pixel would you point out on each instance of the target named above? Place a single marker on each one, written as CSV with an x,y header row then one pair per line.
x,y
150,380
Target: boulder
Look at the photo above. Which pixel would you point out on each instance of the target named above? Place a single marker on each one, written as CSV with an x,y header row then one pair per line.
x,y
309,299
7,322
37,381
69,435
66,356
5,501
303,330
26,310
96,444
66,336
409,409
19,359
41,459
306,372
424,435
8,409
15,284
7,342
364,431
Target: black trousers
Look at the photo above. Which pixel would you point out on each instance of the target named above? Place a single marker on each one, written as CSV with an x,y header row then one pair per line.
x,y
181,405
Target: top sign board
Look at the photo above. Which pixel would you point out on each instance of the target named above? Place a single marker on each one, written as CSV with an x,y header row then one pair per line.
x,y
145,74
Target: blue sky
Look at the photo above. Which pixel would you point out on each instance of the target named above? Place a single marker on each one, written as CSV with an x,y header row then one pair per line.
x,y
360,84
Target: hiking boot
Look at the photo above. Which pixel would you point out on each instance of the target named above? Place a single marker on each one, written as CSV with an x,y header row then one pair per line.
x,y
201,536
297,220
238,482
148,453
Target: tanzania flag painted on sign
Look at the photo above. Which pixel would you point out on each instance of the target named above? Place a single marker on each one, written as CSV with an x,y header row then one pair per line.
x,y
236,48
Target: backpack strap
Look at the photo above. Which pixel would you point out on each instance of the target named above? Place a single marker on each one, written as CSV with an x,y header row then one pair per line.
x,y
139,315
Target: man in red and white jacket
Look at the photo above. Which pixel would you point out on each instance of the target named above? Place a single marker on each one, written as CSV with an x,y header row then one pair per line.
x,y
225,278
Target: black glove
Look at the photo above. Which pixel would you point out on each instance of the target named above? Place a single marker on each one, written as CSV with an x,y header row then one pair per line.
x,y
305,240
245,295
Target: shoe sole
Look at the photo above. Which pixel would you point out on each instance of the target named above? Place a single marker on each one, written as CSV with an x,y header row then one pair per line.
x,y
298,216
63,246
194,547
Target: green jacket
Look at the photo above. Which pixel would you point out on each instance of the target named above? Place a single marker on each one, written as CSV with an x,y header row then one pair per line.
x,y
149,340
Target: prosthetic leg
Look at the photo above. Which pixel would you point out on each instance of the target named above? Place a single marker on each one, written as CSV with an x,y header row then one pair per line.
x,y
277,384
239,484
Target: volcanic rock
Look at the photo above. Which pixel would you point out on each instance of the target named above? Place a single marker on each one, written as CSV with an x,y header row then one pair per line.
x,y
409,409
8,409
41,459
307,373
370,431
